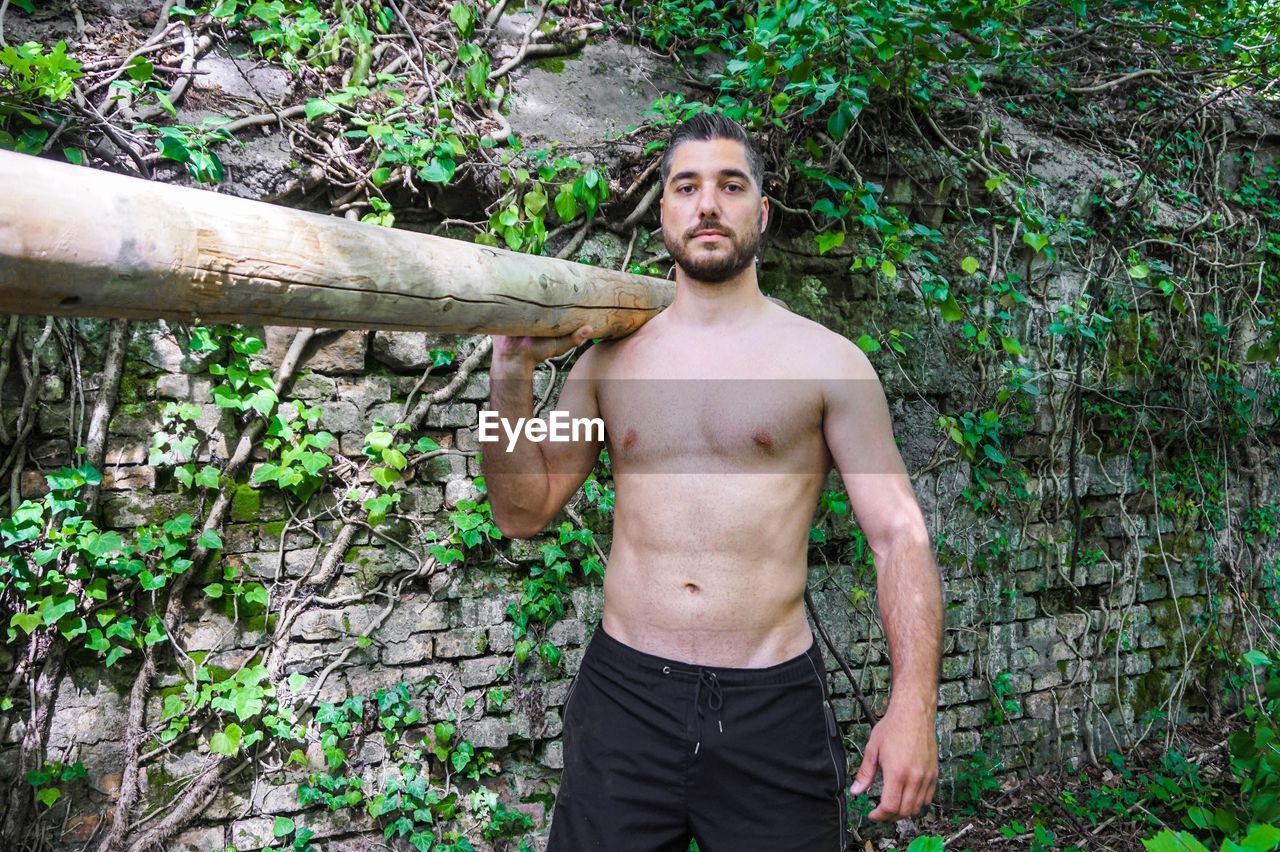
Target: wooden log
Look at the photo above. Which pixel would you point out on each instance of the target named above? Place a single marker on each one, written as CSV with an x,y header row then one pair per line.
x,y
82,242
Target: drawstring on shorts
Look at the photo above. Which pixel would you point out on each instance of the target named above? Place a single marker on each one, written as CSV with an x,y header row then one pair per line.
x,y
715,698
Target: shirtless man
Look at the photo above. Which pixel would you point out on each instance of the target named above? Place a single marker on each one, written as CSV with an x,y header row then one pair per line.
x,y
700,707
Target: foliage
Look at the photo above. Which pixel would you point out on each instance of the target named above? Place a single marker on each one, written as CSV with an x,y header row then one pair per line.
x,y
432,791
1159,359
77,581
31,80
543,593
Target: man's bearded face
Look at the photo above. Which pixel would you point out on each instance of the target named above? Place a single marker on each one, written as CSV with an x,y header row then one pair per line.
x,y
711,223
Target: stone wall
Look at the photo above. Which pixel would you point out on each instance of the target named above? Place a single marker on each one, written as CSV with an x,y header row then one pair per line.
x,y
1045,664
1084,654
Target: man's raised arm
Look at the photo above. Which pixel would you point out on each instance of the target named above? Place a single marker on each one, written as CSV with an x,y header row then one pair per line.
x,y
859,432
530,480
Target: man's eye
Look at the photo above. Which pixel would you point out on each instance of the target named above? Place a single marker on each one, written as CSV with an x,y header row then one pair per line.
x,y
683,188
733,186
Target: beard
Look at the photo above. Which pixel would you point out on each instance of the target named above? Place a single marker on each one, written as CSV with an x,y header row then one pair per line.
x,y
712,267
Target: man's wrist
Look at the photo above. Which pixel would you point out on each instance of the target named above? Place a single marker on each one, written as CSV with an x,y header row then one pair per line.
x,y
914,700
512,368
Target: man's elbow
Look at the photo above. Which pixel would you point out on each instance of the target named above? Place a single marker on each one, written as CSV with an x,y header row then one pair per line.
x,y
909,532
514,526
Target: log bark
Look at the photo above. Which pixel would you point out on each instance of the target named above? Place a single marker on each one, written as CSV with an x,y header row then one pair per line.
x,y
82,242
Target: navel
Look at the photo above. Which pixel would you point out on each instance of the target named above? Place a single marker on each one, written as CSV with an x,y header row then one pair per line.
x,y
692,588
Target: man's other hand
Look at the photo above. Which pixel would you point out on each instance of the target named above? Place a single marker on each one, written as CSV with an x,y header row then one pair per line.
x,y
904,747
535,350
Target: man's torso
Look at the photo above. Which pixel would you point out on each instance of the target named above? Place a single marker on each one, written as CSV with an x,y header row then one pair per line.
x,y
718,458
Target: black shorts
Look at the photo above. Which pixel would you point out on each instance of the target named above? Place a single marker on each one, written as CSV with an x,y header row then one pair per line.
x,y
658,751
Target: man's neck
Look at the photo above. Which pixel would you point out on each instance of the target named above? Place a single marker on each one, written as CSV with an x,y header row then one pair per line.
x,y
728,303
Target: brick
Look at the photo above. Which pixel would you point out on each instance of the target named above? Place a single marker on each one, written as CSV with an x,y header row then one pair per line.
x,y
952,692
477,612
490,732
128,478
416,649
553,755
173,386
365,391
312,387
452,415
252,833
459,489
340,416
480,672
463,642
414,615
568,631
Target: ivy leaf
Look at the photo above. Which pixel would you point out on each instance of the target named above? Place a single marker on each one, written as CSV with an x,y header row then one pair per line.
x,y
265,472
1139,271
48,796
210,539
207,477
255,593
155,632
828,241
283,827
1168,841
1011,345
1263,836
227,741
969,265
214,590
385,476
951,311
52,609
842,119
439,170
566,204
1037,241
465,20
319,106
26,620
1257,658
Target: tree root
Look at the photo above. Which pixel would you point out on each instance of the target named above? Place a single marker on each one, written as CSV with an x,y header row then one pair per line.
x,y
135,729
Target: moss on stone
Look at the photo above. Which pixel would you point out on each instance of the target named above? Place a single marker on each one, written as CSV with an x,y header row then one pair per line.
x,y
551,64
245,503
136,390
1147,692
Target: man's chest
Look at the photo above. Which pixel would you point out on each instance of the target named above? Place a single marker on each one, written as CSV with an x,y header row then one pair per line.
x,y
652,422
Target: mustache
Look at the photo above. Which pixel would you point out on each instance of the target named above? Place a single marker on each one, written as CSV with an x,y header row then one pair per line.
x,y
709,226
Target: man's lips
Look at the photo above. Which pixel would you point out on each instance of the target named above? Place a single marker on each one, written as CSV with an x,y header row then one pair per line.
x,y
705,234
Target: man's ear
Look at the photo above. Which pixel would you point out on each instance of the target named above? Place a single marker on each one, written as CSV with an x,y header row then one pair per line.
x,y
764,213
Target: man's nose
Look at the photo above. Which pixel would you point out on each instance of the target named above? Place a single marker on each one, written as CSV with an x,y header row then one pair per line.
x,y
708,203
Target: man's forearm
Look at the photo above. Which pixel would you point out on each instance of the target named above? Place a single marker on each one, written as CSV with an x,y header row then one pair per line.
x,y
516,477
910,593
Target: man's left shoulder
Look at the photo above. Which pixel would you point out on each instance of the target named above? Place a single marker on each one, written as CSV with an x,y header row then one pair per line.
x,y
826,353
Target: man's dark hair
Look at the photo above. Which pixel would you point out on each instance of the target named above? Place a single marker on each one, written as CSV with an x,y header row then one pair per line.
x,y
706,126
